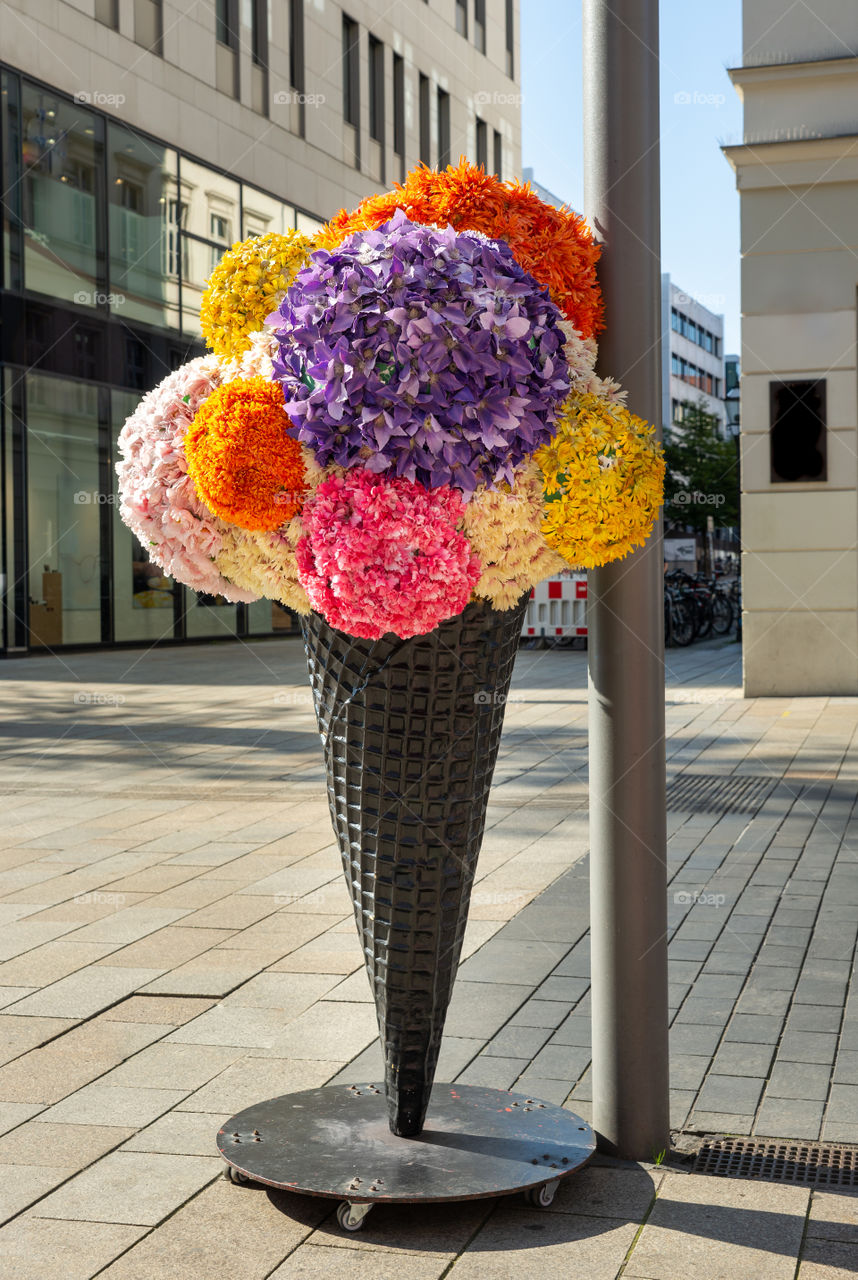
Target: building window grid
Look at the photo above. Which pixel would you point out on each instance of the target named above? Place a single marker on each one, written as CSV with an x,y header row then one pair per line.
x,y
696,333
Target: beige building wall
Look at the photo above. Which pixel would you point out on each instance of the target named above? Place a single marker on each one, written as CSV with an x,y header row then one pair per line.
x,y
256,136
797,176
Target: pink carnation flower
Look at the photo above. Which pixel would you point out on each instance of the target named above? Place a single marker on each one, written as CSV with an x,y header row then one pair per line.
x,y
385,555
158,499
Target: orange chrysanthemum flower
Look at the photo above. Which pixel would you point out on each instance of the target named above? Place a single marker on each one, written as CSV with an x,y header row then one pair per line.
x,y
245,468
554,245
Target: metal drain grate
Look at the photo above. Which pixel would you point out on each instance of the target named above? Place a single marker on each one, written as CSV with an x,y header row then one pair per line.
x,y
806,1164
715,793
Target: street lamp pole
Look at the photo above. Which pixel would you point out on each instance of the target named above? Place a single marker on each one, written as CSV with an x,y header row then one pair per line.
x,y
625,611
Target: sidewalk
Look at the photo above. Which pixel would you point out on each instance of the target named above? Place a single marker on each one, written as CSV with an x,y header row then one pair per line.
x,y
177,943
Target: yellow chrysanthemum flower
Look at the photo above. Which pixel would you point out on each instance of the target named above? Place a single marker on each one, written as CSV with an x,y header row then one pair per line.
x,y
603,477
503,526
247,285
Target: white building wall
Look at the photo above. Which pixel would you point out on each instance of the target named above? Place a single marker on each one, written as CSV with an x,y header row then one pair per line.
x,y
797,176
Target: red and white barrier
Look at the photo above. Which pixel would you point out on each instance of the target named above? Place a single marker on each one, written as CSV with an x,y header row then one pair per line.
x,y
558,606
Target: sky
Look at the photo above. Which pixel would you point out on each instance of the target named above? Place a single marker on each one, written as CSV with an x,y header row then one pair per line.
x,y
700,110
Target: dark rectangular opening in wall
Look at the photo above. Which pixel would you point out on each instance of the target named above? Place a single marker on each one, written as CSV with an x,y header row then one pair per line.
x,y
797,431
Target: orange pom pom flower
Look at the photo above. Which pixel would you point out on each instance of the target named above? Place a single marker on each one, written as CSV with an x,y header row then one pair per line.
x,y
554,245
245,467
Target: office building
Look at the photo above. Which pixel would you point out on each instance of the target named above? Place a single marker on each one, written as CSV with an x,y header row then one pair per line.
x,y
692,353
138,140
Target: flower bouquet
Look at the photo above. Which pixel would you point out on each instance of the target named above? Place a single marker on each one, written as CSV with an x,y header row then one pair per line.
x,y
398,433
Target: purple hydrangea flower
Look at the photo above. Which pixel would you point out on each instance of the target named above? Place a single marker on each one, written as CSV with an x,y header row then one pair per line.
x,y
423,353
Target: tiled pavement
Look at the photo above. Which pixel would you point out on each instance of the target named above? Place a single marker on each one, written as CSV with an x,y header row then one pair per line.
x,y
176,943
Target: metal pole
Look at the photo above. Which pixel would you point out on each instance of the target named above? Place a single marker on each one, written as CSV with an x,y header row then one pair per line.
x,y
625,612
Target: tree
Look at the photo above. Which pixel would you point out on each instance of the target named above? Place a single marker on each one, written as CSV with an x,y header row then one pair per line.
x,y
702,476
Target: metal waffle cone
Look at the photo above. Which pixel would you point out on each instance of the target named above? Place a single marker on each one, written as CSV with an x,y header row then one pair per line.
x,y
411,730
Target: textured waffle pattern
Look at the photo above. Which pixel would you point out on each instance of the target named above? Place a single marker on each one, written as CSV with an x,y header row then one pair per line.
x,y
411,730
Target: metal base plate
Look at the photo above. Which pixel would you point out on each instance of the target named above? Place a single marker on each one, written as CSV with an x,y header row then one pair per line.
x,y
336,1142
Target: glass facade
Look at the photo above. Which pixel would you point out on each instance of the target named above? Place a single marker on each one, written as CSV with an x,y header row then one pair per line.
x,y
108,239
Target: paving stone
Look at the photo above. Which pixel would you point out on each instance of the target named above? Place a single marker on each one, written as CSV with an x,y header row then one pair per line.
x,y
807,1046
133,1187
541,1013
33,1248
754,1028
493,1072
84,993
797,1118
13,1114
846,1067
561,1062
324,1262
71,1146
805,1080
436,1229
692,1038
166,947
173,1066
719,1122
215,973
687,1070
737,1094
255,1239
112,1105
478,1010
252,1079
843,1103
25,1183
518,1041
184,1133
834,1216
163,1010
750,1229
706,1010
18,1035
828,1260
624,1192
508,961
328,953
532,1085
738,1059
598,1246
569,989
576,1030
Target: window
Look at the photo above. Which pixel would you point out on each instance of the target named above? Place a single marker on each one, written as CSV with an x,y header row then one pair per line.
x,y
443,128
175,246
482,143
425,127
498,156
399,105
63,154
219,232
296,44
675,365
797,438
107,11
675,322
510,39
224,31
376,90
462,17
480,25
148,24
351,72
259,32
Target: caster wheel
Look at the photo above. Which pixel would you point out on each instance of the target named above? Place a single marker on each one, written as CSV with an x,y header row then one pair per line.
x,y
236,1176
542,1196
351,1217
